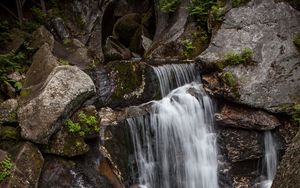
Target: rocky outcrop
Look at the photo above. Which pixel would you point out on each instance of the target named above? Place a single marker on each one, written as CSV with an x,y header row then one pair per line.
x,y
27,165
288,172
42,36
63,91
268,28
239,117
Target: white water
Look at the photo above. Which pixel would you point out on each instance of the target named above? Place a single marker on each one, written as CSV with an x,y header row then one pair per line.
x,y
270,160
175,146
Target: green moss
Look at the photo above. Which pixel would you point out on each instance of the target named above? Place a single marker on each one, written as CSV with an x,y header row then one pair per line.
x,y
75,145
238,3
297,41
296,113
229,79
128,77
235,58
5,168
168,5
9,133
63,61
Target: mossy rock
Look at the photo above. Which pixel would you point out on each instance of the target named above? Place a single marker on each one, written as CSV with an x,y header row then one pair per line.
x,y
9,133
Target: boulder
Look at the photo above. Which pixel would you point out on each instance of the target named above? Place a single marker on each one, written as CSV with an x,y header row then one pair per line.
x,y
40,37
58,26
8,111
27,163
64,90
247,118
268,28
288,172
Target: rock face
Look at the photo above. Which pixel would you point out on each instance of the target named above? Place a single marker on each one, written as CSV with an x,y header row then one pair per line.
x,y
27,165
268,28
288,172
42,36
8,111
239,117
63,91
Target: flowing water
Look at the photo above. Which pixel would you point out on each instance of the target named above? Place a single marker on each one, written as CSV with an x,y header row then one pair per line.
x,y
270,160
175,145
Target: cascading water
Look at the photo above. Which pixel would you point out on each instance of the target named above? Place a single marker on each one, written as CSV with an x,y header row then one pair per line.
x,y
270,160
175,146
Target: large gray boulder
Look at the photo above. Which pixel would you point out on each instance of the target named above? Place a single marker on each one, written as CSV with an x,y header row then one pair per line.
x,y
268,28
64,90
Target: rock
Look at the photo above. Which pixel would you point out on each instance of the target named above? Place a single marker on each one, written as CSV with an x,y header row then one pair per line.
x,y
241,145
288,172
62,93
58,26
114,50
268,28
40,37
240,117
288,131
68,144
8,111
42,65
16,76
126,83
27,163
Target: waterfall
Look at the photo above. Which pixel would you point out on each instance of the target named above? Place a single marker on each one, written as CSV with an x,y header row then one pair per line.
x,y
270,160
175,145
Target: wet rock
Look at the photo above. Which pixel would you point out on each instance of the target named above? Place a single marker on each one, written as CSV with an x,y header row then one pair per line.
x,y
58,27
8,111
288,172
241,145
40,37
240,117
63,91
27,165
268,28
130,83
65,143
114,50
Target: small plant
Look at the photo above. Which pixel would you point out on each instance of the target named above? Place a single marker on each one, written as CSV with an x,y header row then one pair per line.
x,y
236,58
5,166
168,5
63,62
296,113
229,79
189,48
200,10
297,41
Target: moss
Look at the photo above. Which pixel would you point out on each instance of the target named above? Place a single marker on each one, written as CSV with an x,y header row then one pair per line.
x,y
296,113
5,168
75,145
9,133
235,58
128,77
168,5
238,3
229,79
63,61
297,41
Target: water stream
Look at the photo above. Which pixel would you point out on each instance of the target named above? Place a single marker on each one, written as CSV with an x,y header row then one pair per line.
x,y
175,145
270,160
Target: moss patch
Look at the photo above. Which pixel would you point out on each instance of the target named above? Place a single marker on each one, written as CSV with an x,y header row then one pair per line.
x,y
5,168
127,76
297,41
9,133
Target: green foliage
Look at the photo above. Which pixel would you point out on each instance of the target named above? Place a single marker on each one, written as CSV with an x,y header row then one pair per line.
x,y
236,58
238,3
63,62
229,79
168,5
38,14
86,124
218,11
296,113
200,10
5,166
297,41
189,48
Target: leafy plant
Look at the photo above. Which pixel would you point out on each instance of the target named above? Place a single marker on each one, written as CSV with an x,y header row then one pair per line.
x,y
5,166
189,48
200,10
168,5
236,58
